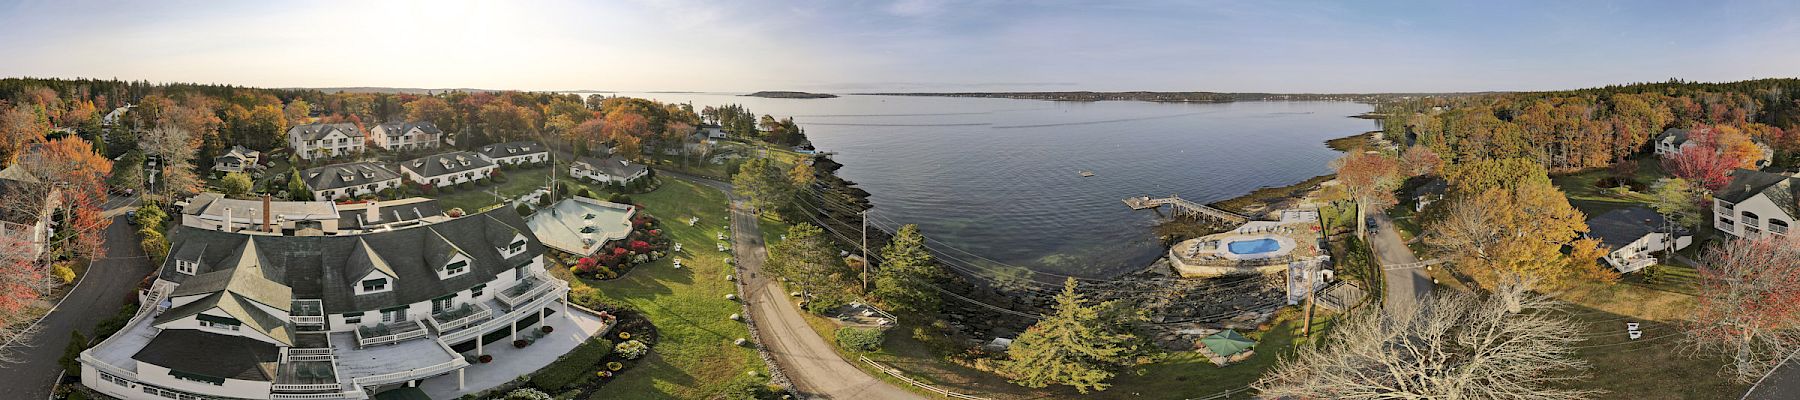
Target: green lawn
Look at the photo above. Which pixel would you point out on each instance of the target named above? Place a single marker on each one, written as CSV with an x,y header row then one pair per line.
x,y
696,357
474,197
1586,195
1655,366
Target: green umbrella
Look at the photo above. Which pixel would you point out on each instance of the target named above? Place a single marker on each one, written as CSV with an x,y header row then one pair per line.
x,y
1227,343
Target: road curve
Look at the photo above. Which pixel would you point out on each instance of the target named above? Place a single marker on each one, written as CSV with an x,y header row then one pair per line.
x,y
817,371
106,286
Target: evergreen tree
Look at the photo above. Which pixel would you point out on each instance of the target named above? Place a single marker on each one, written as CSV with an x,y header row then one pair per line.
x,y
297,187
808,261
906,271
1075,346
764,182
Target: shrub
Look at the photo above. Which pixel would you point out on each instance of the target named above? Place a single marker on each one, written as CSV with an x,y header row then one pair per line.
x,y
524,210
527,394
63,273
543,201
631,349
859,339
572,367
455,212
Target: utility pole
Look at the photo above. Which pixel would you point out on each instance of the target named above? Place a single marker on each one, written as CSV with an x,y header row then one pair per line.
x,y
865,249
1311,276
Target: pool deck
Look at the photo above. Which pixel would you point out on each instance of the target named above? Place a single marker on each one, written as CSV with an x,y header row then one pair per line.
x,y
1297,233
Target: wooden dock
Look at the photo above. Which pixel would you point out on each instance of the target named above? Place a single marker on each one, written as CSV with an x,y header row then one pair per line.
x,y
1180,206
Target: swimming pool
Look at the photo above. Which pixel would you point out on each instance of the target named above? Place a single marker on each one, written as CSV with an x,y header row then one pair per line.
x,y
1254,246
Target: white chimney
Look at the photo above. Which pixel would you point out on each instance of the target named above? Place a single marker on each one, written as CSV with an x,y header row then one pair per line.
x,y
374,212
227,226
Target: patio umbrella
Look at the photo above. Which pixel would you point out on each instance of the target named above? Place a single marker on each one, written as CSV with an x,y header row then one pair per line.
x,y
1227,343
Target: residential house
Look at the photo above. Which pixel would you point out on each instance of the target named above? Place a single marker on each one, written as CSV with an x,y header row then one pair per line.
x,y
1632,234
347,180
1756,202
25,221
713,131
238,159
406,135
611,169
1673,140
1428,193
447,169
251,316
115,116
515,153
315,141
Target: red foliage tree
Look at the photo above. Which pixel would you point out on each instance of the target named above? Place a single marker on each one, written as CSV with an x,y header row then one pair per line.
x,y
1703,165
1749,303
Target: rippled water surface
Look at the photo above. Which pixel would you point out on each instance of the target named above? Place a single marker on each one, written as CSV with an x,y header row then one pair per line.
x,y
999,177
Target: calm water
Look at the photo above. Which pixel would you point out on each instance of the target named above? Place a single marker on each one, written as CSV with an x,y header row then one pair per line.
x,y
999,177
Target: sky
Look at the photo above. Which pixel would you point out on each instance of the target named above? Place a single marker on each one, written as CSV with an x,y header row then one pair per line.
x,y
905,46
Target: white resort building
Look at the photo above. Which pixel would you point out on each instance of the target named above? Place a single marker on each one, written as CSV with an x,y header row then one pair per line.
x,y
213,211
313,141
250,315
515,153
349,180
1755,203
447,169
406,135
607,170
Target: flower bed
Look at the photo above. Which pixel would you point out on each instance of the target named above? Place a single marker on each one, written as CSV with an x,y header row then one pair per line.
x,y
644,244
596,362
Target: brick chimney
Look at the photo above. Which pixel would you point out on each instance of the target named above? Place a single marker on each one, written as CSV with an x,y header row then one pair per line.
x,y
268,214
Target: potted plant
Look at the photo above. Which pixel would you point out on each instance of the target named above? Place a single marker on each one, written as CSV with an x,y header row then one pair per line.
x,y
521,343
485,358
548,329
614,366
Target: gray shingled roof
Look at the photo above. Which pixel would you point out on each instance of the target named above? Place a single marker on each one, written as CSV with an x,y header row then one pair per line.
x,y
320,267
210,354
613,166
338,176
447,163
511,149
1620,227
396,128
311,132
1749,183
1681,136
349,218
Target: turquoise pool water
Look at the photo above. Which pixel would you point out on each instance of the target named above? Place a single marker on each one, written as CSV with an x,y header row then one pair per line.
x,y
1257,246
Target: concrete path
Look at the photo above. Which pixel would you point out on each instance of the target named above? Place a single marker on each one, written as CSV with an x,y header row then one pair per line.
x,y
572,329
1403,284
814,367
107,285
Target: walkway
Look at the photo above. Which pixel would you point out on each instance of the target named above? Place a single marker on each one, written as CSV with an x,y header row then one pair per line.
x,y
1403,284
107,285
817,371
572,329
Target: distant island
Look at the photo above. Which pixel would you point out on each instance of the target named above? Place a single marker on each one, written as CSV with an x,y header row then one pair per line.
x,y
1184,97
776,94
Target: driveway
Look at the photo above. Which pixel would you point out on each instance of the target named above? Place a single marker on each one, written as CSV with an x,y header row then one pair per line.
x,y
108,284
1403,284
816,369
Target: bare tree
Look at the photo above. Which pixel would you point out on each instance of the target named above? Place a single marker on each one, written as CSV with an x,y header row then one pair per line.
x,y
1452,346
173,147
1749,304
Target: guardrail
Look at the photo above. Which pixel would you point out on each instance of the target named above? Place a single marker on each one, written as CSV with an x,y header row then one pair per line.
x,y
104,367
541,284
392,338
481,313
922,385
411,374
306,387
495,323
316,396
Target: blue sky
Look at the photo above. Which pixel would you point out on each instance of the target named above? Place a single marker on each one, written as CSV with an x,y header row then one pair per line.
x,y
907,45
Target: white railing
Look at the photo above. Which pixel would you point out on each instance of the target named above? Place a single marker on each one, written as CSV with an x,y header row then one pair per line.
x,y
411,374
541,284
496,323
481,313
308,319
306,387
392,338
104,367
319,396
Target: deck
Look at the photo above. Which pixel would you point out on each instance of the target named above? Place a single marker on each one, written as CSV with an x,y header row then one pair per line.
x,y
1183,206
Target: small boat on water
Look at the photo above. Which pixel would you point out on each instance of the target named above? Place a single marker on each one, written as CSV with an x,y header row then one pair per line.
x,y
1086,173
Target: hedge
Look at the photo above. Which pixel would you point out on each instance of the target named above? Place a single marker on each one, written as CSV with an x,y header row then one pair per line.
x,y
572,368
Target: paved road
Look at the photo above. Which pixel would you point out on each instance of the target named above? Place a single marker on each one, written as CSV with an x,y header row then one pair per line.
x,y
814,367
1403,285
108,284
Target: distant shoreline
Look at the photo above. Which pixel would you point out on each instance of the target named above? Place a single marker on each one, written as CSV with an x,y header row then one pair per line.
x,y
1170,97
791,95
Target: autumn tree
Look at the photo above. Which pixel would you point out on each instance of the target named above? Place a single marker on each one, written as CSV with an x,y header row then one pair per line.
x,y
764,182
1702,166
1370,179
235,185
80,173
435,110
807,260
1679,201
172,146
907,274
1749,304
1420,161
297,112
1509,345
19,126
1075,346
1504,218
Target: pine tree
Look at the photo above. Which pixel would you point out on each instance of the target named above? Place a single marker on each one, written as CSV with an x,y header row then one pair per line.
x,y
1072,347
297,187
906,271
809,262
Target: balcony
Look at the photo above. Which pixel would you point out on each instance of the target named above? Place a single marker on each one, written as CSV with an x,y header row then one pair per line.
x,y
308,313
389,333
526,290
1635,264
459,318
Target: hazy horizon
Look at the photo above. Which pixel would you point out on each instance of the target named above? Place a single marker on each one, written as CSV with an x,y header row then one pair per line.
x,y
904,46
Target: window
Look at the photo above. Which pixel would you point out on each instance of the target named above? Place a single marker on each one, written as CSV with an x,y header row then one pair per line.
x,y
1749,218
456,268
353,318
215,325
396,314
440,304
374,285
477,290
518,246
216,322
185,266
1778,227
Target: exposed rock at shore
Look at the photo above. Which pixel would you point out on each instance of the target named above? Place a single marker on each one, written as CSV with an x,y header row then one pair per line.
x,y
777,94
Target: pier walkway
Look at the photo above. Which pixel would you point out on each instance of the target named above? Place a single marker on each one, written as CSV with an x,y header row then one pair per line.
x,y
1180,206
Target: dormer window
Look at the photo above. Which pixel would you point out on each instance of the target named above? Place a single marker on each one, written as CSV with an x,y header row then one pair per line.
x,y
186,267
456,268
375,285
225,323
518,246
